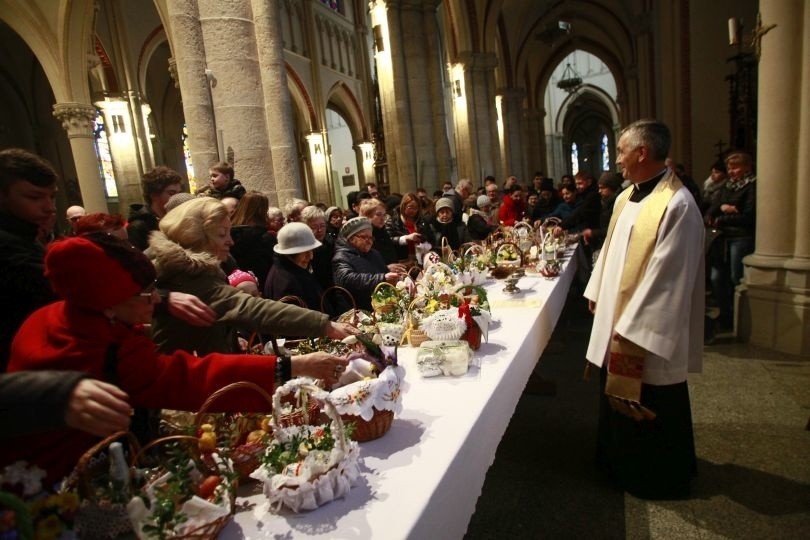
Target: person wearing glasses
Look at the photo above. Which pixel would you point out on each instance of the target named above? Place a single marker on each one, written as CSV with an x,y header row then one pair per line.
x,y
108,294
375,211
357,266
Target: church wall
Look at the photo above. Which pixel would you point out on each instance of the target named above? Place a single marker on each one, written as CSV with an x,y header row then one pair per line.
x,y
709,52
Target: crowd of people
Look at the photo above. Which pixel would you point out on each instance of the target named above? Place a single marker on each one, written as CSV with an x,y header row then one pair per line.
x,y
115,313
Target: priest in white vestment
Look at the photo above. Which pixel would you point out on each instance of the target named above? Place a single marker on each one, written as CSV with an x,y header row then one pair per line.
x,y
647,294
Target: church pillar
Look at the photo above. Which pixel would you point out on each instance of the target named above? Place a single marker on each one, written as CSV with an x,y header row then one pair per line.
x,y
411,84
774,298
277,102
237,90
77,119
535,134
513,159
189,70
473,86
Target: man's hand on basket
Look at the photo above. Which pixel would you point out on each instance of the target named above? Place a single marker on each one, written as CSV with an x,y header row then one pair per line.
x,y
319,365
339,330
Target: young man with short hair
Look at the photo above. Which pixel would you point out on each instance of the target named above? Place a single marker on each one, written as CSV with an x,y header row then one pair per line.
x,y
159,184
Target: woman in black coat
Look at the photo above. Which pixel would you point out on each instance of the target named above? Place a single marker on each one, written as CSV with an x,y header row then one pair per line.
x,y
252,243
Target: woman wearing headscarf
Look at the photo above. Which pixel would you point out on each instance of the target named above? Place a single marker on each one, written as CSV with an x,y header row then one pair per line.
x,y
108,291
193,240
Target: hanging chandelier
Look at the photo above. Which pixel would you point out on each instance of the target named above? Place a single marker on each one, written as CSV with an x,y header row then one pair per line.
x,y
570,80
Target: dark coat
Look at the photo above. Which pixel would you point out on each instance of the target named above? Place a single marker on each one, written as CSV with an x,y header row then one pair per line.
x,y
586,213
322,263
288,279
396,229
456,234
23,287
358,272
386,246
34,401
745,199
253,249
234,189
140,223
478,228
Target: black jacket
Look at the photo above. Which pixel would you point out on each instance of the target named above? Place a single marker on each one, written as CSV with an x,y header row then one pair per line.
x,y
358,272
478,228
386,246
455,233
287,278
23,287
396,229
234,189
253,249
745,199
141,222
586,214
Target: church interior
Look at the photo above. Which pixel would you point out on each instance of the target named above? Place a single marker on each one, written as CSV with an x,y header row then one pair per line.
x,y
315,98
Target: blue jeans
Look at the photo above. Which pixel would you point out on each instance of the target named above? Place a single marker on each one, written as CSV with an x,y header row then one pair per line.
x,y
726,272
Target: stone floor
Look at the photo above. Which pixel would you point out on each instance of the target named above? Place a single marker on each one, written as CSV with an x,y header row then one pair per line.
x,y
750,409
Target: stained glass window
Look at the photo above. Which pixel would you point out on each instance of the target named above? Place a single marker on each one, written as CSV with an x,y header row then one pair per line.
x,y
574,159
104,157
192,179
605,153
333,5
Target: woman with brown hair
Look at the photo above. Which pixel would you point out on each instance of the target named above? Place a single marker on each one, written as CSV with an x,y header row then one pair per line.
x,y
407,226
252,242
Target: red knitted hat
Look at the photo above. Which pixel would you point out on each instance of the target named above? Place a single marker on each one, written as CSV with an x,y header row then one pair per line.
x,y
97,270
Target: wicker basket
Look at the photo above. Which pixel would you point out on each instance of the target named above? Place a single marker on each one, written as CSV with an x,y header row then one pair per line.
x,y
245,455
413,334
100,518
385,307
328,484
368,430
210,530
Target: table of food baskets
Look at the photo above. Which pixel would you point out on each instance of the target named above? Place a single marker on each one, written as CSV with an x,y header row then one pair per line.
x,y
423,478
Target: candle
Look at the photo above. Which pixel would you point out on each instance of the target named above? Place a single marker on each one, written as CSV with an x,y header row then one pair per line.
x,y
732,31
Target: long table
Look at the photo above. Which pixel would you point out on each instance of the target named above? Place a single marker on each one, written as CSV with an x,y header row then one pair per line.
x,y
423,478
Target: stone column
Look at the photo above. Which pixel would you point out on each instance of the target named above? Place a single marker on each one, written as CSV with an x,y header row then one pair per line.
x,y
476,117
231,53
410,77
189,66
77,119
534,147
513,159
774,298
277,101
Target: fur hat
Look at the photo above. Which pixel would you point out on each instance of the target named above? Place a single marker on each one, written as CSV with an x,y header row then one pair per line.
x,y
444,202
354,226
97,270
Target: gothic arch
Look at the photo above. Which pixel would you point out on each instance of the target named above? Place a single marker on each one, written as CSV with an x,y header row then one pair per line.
x,y
153,41
342,99
594,92
302,100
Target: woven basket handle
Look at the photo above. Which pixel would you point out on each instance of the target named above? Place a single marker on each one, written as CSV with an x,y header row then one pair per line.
x,y
241,385
176,438
310,389
292,299
337,288
79,480
383,285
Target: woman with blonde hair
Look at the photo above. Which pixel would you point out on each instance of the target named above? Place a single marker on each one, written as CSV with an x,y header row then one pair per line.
x,y
193,240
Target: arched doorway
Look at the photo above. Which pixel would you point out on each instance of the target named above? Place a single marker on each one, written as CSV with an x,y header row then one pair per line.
x,y
346,172
585,115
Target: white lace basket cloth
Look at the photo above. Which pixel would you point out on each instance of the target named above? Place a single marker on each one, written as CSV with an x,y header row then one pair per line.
x,y
360,398
321,477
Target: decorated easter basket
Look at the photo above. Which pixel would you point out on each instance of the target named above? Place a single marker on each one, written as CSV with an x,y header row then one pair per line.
x,y
307,466
414,335
362,319
245,434
183,497
102,509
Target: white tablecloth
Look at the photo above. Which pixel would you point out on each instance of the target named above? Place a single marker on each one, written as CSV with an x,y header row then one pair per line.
x,y
423,478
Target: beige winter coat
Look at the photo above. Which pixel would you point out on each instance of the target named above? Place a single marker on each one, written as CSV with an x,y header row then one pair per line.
x,y
199,274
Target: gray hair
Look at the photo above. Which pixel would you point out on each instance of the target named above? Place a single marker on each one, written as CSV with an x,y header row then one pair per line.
x,y
311,213
650,133
274,211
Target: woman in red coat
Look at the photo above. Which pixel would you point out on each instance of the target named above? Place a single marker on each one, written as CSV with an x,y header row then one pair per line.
x,y
108,291
513,206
